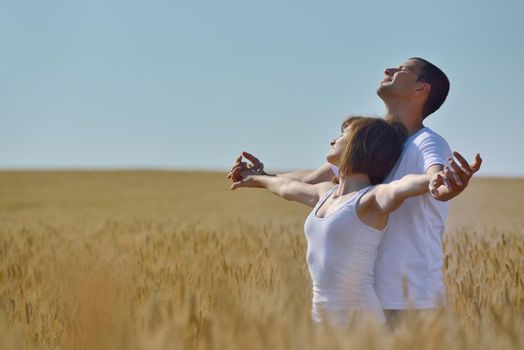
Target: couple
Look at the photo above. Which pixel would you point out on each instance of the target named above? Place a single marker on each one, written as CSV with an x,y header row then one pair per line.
x,y
374,235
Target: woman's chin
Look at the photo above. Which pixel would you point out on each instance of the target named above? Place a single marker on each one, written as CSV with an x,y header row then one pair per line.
x,y
332,160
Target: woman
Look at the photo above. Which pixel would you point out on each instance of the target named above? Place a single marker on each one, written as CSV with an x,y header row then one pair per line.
x,y
349,218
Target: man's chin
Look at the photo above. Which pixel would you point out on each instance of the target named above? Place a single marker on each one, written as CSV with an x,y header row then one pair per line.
x,y
382,91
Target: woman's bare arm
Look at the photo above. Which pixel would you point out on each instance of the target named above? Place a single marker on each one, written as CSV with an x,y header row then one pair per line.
x,y
388,197
322,174
285,187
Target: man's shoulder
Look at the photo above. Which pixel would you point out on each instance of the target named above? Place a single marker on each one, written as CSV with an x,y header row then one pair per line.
x,y
422,149
427,135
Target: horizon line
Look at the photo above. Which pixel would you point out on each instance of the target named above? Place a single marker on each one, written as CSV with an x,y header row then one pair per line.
x,y
178,169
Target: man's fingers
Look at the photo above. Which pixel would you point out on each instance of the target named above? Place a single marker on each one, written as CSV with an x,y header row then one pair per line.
x,y
471,168
455,166
235,175
478,161
463,162
241,166
252,159
237,162
230,173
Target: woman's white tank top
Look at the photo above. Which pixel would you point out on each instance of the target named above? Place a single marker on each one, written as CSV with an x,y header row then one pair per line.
x,y
341,256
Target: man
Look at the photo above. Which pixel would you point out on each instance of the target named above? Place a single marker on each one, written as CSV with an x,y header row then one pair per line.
x,y
408,270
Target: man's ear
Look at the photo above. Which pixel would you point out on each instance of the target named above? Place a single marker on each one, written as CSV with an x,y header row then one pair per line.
x,y
422,89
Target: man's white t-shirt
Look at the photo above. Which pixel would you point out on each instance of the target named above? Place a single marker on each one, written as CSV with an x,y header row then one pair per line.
x,y
408,268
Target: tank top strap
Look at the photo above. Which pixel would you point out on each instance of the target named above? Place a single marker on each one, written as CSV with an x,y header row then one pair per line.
x,y
355,199
356,202
325,196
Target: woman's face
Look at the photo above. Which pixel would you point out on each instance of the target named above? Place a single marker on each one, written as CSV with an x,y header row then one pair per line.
x,y
337,147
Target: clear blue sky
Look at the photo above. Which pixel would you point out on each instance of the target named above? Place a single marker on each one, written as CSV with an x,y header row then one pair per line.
x,y
187,85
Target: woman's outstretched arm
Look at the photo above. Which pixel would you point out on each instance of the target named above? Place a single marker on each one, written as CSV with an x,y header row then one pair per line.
x,y
322,174
389,197
285,187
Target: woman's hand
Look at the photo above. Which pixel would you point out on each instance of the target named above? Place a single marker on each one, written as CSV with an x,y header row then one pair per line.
x,y
246,178
437,180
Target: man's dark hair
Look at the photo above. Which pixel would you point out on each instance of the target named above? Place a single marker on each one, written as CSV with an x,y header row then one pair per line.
x,y
439,82
373,148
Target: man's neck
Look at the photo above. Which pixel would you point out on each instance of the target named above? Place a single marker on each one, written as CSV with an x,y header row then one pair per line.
x,y
409,115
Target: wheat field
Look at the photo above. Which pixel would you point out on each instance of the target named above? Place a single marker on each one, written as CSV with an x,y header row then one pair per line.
x,y
174,260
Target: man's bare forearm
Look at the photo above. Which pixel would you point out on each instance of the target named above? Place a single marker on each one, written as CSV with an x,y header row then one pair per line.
x,y
299,175
322,174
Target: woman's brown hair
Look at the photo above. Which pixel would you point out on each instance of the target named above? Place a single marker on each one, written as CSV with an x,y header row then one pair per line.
x,y
374,147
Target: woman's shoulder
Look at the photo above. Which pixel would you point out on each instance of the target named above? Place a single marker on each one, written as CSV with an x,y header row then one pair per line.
x,y
367,209
368,195
325,187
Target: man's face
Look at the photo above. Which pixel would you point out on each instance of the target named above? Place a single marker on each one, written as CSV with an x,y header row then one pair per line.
x,y
400,82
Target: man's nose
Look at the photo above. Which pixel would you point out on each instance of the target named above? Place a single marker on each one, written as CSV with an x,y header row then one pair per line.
x,y
390,71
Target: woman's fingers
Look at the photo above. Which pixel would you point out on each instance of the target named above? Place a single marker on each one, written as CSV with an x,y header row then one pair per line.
x,y
236,185
459,175
437,181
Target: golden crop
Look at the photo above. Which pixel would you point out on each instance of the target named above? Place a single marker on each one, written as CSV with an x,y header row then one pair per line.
x,y
174,260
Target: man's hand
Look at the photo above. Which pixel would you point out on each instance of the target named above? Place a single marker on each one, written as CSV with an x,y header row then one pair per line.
x,y
256,166
454,178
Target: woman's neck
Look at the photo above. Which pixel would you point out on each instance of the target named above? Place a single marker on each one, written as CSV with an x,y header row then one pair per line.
x,y
352,183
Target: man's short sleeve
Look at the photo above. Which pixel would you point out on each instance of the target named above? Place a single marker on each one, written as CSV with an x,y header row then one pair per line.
x,y
434,150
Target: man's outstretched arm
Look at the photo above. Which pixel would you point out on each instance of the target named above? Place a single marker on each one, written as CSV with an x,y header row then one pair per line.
x,y
454,177
322,174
